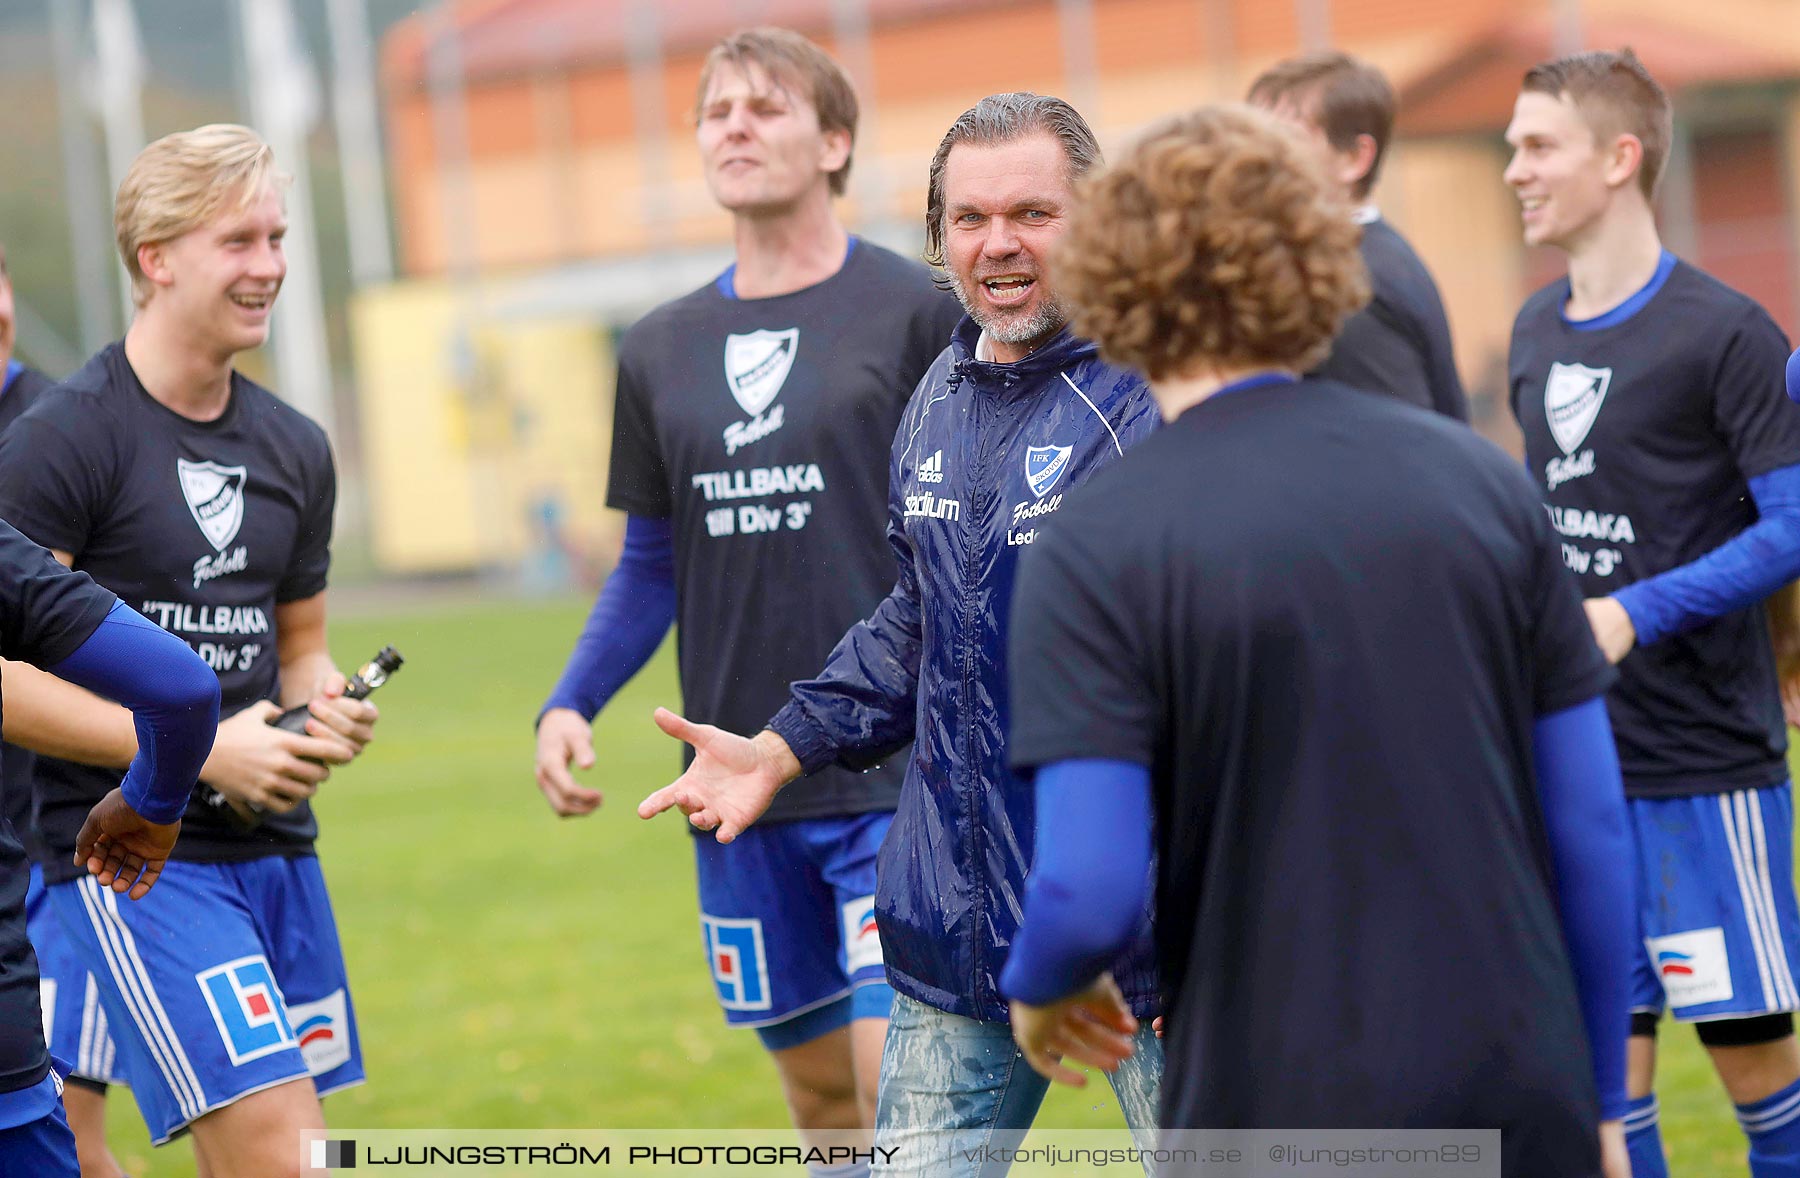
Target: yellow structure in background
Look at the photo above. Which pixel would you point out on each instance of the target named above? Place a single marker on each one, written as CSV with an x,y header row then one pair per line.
x,y
494,434
557,177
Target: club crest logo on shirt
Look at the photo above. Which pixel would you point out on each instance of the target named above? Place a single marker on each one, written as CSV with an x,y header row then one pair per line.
x,y
1044,465
1572,399
757,364
215,496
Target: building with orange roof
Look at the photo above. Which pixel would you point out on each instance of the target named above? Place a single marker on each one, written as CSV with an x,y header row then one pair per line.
x,y
543,171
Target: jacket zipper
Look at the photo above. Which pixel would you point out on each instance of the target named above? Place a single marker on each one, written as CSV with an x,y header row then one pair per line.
x,y
965,788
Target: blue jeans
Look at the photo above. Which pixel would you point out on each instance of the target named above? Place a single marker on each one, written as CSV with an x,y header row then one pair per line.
x,y
952,1085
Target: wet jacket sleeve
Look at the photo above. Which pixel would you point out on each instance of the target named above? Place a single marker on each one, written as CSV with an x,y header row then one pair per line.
x,y
864,705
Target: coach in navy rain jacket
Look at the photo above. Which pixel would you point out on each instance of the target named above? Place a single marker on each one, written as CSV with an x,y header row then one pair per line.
x,y
984,453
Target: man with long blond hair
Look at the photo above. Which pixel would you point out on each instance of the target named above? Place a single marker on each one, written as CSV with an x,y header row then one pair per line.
x,y
749,452
195,494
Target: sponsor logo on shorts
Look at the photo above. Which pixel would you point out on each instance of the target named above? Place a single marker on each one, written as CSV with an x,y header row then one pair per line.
x,y
1693,967
247,1008
862,941
740,968
323,1028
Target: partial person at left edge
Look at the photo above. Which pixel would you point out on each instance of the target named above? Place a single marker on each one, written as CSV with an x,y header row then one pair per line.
x,y
20,384
74,1023
61,621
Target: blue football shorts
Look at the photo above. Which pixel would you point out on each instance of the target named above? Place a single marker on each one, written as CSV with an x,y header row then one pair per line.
x,y
1717,916
74,1018
225,980
787,922
38,1145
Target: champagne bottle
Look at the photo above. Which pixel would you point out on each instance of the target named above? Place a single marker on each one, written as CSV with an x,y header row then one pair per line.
x,y
374,673
248,815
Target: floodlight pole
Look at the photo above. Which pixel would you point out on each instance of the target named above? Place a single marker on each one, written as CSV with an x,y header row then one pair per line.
x,y
874,180
1315,24
644,53
1567,35
284,106
1075,22
84,190
117,85
359,143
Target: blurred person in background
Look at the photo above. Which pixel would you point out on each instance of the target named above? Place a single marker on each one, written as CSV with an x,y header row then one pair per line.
x,y
1399,344
20,384
751,430
200,497
1650,396
1015,413
74,1021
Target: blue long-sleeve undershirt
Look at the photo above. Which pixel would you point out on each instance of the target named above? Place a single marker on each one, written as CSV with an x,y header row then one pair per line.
x,y
1740,572
1583,802
174,700
1081,908
633,612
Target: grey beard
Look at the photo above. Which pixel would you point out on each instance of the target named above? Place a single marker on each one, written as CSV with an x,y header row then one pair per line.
x,y
1042,322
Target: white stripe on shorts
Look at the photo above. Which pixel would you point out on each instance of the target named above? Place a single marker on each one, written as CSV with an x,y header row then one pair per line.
x,y
135,988
1765,888
1728,807
85,1063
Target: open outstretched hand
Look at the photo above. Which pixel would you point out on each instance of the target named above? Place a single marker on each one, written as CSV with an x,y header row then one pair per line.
x,y
731,782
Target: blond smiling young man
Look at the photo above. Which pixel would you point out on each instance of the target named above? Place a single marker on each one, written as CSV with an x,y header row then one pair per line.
x,y
206,503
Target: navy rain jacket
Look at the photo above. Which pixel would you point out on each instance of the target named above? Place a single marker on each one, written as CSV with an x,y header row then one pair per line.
x,y
984,453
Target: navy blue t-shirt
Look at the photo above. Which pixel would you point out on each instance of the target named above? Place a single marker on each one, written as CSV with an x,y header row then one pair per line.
x,y
1399,344
46,612
761,429
1644,426
21,389
202,527
1325,621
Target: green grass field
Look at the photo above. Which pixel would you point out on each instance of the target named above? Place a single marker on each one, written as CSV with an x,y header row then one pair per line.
x,y
512,970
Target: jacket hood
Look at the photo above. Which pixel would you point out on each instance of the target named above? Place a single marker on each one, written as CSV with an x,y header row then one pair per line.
x,y
1064,349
